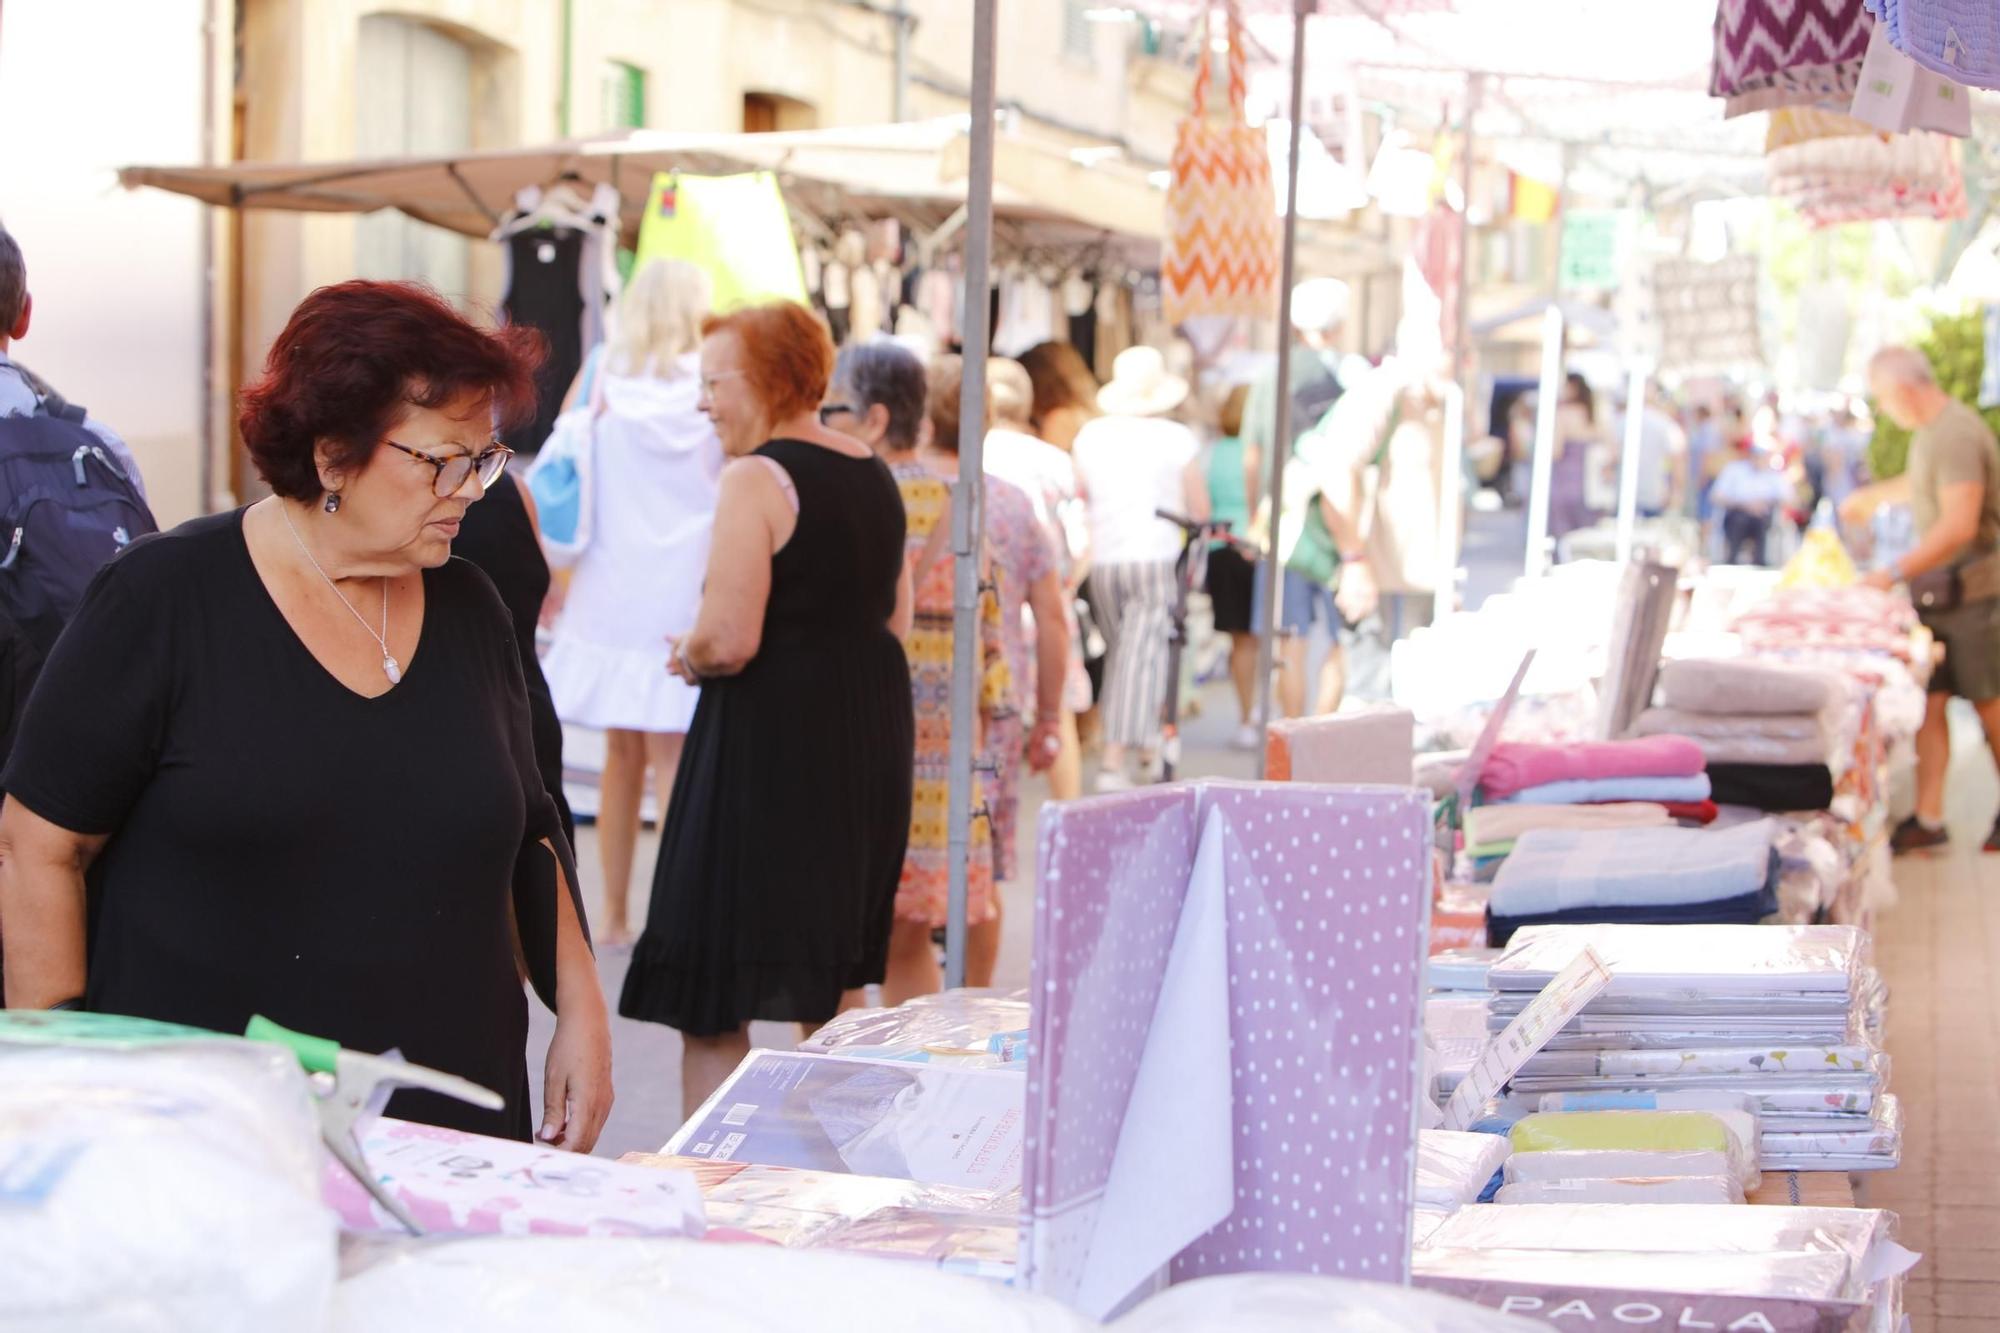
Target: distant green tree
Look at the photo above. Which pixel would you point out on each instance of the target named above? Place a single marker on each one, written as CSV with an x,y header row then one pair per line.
x,y
1956,345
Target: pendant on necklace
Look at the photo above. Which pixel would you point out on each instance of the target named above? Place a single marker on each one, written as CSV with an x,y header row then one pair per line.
x,y
392,670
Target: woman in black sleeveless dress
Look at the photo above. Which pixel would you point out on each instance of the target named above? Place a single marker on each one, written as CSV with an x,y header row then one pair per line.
x,y
779,862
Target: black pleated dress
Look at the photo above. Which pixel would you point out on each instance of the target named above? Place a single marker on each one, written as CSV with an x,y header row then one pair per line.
x,y
779,862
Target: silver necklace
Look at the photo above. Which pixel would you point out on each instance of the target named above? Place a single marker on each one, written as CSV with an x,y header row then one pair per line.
x,y
390,667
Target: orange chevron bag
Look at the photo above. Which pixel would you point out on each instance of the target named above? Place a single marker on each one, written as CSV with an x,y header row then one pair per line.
x,y
1223,235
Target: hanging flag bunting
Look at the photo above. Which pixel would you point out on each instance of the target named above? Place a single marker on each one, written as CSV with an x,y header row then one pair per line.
x,y
1223,234
1530,200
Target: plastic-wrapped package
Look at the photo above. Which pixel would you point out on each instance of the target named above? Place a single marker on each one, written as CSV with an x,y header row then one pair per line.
x,y
1875,1144
934,1123
1733,1133
157,1185
1625,1189
1453,1168
1612,1163
456,1183
512,1284
1843,1259
1715,961
959,1230
985,1027
1295,1303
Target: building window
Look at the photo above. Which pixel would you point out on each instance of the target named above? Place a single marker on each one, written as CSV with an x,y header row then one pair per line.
x,y
1079,33
624,91
768,113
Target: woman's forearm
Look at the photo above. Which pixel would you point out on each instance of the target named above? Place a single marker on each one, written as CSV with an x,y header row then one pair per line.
x,y
578,992
42,923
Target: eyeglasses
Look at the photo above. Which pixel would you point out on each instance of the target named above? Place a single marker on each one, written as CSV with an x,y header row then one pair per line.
x,y
828,411
453,469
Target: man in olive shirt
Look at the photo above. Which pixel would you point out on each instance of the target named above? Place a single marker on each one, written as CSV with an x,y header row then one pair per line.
x,y
1953,489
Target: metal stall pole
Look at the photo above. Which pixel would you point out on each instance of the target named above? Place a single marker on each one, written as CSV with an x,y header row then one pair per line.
x,y
1281,434
1628,463
968,519
1535,562
1451,505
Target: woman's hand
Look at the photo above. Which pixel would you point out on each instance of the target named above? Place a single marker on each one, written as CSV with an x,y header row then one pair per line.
x,y
576,1082
1044,744
677,663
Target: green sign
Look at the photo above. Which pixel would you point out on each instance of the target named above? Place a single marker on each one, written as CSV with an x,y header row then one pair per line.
x,y
1592,247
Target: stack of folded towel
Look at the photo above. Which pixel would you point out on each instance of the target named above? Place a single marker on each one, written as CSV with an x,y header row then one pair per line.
x,y
1642,783
1645,875
1765,729
1784,1015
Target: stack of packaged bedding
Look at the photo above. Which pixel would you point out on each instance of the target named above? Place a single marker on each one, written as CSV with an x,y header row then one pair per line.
x,y
1788,1017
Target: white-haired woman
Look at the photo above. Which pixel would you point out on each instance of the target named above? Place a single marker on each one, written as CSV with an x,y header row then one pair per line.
x,y
657,468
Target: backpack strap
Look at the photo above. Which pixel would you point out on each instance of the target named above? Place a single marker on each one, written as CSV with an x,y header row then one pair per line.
x,y
53,404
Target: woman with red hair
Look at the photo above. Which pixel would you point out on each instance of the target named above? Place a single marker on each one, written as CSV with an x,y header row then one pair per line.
x,y
281,762
782,849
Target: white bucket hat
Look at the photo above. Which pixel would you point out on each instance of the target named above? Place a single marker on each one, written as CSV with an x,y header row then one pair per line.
x,y
1141,385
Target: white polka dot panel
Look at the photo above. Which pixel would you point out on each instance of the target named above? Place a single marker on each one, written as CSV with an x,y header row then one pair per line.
x,y
1326,887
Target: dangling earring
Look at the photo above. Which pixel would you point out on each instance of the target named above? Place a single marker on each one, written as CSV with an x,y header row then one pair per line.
x,y
333,502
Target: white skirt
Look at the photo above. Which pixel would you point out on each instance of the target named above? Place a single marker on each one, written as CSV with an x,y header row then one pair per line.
x,y
616,688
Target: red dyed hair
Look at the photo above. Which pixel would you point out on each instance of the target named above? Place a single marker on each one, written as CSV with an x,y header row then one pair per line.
x,y
787,355
354,358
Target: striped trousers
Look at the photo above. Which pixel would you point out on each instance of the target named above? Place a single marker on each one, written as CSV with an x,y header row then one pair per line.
x,y
1135,605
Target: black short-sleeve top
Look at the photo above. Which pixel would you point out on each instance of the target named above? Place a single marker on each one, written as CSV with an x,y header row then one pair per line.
x,y
354,868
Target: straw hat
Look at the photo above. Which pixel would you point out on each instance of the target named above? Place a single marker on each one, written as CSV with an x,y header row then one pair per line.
x,y
1141,385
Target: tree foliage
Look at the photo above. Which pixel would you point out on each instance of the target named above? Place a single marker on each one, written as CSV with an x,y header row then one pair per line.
x,y
1956,346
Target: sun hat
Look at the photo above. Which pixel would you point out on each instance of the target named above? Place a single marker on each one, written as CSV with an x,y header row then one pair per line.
x,y
1141,385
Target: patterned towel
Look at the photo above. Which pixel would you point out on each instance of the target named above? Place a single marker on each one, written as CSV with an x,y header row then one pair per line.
x,y
1776,53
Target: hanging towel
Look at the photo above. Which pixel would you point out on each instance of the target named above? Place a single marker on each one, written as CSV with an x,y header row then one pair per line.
x,y
1598,791
1773,53
1556,870
1514,765
1959,39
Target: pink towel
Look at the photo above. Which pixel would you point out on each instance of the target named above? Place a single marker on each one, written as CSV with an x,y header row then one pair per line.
x,y
1515,766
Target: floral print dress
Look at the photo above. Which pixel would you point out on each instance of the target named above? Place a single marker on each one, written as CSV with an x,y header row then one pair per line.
x,y
923,894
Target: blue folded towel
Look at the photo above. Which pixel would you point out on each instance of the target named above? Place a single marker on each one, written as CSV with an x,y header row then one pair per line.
x,y
1560,870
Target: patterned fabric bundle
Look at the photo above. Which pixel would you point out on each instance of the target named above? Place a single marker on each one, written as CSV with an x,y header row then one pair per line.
x,y
1223,239
1862,179
1778,53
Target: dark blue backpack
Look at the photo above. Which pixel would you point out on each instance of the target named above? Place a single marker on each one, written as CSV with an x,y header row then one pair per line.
x,y
66,507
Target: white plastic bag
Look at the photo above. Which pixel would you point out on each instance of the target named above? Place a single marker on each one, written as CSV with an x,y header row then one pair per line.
x,y
160,1187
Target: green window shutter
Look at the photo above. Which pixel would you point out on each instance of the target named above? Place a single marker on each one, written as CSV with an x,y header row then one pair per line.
x,y
624,96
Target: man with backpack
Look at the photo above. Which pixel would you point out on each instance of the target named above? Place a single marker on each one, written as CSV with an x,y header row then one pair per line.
x,y
70,499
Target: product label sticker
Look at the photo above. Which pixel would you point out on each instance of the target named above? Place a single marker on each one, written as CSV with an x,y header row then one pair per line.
x,y
1547,1014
